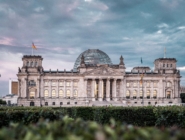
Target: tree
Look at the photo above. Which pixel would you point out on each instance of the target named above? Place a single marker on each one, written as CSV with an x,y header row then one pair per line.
x,y
2,102
182,96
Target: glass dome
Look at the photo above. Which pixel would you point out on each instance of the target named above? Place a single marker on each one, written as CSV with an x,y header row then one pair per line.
x,y
92,56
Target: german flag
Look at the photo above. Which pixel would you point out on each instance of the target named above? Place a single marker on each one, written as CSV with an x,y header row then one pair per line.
x,y
33,46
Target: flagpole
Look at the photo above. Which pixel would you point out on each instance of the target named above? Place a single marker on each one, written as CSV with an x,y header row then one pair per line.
x,y
32,50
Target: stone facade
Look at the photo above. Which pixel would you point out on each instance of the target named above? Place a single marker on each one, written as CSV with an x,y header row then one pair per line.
x,y
98,84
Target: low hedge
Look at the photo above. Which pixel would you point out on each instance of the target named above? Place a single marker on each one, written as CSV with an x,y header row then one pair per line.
x,y
70,129
138,116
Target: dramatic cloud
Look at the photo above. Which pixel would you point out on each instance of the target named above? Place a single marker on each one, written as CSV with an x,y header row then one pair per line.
x,y
62,29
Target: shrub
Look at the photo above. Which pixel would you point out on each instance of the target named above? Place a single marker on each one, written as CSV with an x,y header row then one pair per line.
x,y
138,116
77,129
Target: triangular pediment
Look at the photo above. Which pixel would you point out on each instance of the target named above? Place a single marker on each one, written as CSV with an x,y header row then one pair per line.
x,y
104,70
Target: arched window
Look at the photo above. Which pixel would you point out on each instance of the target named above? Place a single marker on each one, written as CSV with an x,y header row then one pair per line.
x,y
168,84
148,94
134,94
61,94
128,94
75,93
141,93
53,93
68,93
168,94
27,64
155,94
46,93
32,94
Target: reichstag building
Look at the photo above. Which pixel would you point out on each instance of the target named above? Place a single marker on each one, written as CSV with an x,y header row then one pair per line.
x,y
96,81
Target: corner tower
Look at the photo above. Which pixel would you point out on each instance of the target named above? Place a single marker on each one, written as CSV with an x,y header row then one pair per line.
x,y
29,79
31,64
165,65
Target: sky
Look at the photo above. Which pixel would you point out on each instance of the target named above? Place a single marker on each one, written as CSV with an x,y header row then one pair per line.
x,y
63,29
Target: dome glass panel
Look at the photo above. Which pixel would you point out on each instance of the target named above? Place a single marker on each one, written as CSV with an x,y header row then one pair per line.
x,y
93,56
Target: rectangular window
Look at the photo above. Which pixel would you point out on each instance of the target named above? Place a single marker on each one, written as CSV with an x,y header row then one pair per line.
x,y
68,103
45,83
67,84
75,84
171,65
53,84
155,84
163,65
61,103
128,84
61,83
53,103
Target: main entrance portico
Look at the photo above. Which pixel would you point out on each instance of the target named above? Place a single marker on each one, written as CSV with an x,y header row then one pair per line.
x,y
104,89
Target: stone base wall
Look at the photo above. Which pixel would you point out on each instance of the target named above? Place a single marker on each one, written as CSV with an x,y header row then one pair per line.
x,y
57,102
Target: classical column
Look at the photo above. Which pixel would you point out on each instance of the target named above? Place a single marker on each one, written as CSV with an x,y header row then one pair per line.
x,y
100,89
108,90
57,91
93,90
38,88
64,91
152,91
138,89
160,89
164,88
72,94
41,87
121,88
50,88
124,87
19,88
26,94
85,88
114,90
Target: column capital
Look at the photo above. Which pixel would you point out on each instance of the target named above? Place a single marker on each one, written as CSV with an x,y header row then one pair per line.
x,y
108,79
85,79
115,79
